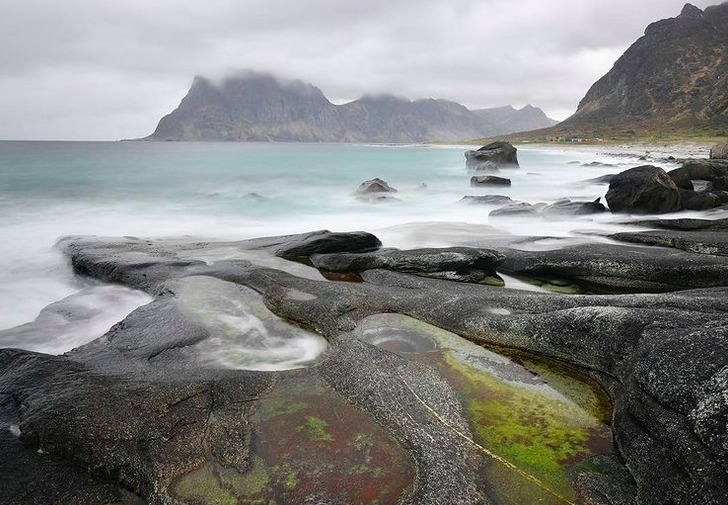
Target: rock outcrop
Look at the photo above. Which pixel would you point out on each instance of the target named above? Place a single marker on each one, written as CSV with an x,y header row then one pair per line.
x,y
643,190
638,94
494,155
134,416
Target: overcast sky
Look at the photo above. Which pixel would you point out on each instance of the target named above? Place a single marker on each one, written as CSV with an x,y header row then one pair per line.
x,y
93,69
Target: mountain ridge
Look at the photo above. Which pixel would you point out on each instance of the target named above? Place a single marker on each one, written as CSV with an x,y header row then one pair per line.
x,y
672,79
260,107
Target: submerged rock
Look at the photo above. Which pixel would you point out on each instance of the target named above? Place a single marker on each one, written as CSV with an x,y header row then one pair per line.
x,y
604,179
566,207
496,154
489,180
515,209
486,199
643,190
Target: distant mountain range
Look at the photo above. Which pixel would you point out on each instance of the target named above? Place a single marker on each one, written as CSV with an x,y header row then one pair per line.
x,y
260,107
673,79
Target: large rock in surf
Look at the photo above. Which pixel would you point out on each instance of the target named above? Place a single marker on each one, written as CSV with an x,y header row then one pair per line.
x,y
698,170
375,185
375,191
719,152
643,190
499,154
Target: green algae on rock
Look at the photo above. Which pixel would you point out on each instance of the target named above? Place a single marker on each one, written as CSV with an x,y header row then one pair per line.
x,y
534,428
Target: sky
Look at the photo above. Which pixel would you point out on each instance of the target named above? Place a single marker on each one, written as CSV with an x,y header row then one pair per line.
x,y
100,70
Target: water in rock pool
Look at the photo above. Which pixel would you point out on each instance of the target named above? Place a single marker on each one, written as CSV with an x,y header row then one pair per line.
x,y
537,422
235,191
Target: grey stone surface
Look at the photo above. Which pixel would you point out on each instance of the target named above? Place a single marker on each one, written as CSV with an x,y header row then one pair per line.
x,y
134,410
499,154
643,190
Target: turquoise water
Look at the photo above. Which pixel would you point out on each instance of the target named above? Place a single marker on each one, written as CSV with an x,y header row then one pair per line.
x,y
233,190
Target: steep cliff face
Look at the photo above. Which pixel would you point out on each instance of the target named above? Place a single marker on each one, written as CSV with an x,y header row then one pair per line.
x,y
674,77
259,107
252,107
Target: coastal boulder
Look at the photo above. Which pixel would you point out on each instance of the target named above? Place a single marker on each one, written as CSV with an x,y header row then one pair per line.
x,y
699,170
719,152
496,154
694,200
489,180
376,191
375,185
643,190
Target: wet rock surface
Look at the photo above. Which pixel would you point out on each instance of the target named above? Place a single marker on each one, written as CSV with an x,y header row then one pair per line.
x,y
608,268
456,263
489,180
138,416
643,190
494,155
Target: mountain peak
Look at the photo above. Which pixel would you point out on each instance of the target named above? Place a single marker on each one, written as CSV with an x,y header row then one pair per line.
x,y
690,11
255,106
671,79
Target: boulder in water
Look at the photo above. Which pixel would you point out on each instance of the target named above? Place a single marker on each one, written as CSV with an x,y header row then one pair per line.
x,y
375,185
489,180
496,154
643,190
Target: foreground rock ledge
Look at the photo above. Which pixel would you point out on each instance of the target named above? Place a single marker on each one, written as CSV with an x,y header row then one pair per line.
x,y
120,419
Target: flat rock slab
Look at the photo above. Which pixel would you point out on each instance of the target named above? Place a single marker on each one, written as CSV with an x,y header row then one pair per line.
x,y
614,268
687,224
699,242
137,410
455,263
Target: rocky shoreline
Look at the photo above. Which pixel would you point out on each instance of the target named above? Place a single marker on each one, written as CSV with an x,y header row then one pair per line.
x,y
323,368
139,416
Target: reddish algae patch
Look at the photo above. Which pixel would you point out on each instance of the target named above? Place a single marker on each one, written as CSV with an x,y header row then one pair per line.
x,y
314,444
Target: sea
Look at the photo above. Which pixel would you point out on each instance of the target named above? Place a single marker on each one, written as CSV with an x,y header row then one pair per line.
x,y
233,191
